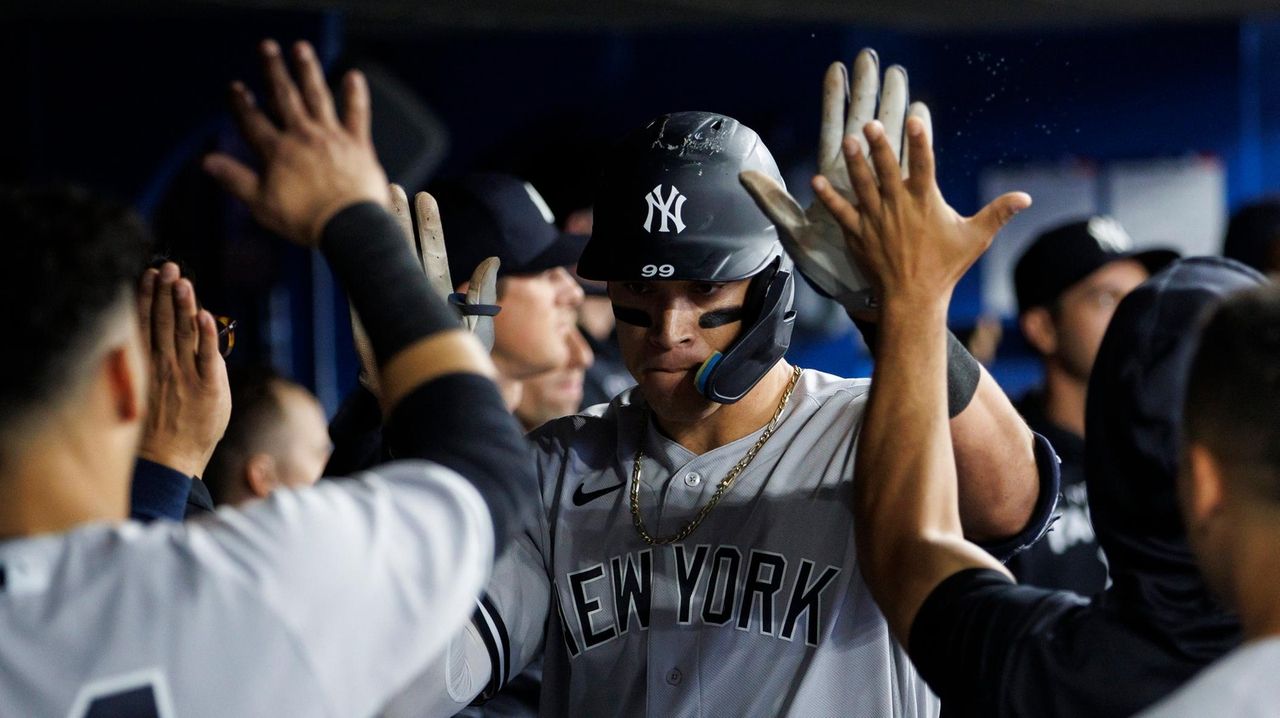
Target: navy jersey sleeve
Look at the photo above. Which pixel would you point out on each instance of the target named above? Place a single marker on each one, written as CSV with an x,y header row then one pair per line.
x,y
1049,469
968,632
158,492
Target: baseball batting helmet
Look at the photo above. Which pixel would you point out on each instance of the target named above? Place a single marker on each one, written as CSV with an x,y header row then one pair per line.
x,y
671,207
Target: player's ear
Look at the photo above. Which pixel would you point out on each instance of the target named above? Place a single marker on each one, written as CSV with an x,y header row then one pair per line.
x,y
1037,326
126,379
260,475
1204,491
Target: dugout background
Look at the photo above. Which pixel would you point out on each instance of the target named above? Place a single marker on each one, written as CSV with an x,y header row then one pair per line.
x,y
125,101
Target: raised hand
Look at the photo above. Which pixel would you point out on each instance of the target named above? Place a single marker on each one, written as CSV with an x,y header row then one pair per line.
x,y
477,306
316,163
428,244
189,402
914,245
812,236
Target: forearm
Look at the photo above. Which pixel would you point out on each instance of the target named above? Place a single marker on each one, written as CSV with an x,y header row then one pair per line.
x,y
434,375
998,479
909,533
414,335
902,436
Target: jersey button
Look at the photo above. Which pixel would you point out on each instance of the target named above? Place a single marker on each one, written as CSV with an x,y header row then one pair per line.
x,y
674,676
692,478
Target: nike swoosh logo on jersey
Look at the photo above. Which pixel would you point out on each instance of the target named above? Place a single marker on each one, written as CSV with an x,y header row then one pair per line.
x,y
582,498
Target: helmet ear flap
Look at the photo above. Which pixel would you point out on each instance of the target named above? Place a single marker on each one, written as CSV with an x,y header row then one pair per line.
x,y
726,378
753,303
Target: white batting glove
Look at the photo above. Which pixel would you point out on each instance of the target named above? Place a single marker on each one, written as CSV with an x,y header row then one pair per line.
x,y
477,306
812,236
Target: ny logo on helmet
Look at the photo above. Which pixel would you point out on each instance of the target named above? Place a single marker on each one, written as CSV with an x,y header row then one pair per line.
x,y
656,201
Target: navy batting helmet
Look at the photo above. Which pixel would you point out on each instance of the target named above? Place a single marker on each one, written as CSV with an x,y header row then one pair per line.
x,y
671,207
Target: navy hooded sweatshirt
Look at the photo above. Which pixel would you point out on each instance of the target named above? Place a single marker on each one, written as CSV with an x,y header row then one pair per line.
x,y
989,647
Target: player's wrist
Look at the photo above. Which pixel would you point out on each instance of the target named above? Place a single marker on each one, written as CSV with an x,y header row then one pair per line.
x,y
915,306
909,326
185,460
329,209
383,278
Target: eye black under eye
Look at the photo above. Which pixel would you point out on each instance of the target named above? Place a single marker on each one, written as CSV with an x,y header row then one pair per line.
x,y
637,287
720,317
634,317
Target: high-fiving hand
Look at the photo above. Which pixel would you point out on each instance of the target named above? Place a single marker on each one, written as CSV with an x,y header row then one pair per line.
x,y
189,401
812,236
428,243
313,166
901,229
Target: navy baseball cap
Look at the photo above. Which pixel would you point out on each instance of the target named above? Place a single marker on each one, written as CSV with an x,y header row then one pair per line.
x,y
497,215
1066,254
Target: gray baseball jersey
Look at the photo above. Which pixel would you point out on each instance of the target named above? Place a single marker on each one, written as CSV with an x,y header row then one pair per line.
x,y
319,602
1241,684
761,611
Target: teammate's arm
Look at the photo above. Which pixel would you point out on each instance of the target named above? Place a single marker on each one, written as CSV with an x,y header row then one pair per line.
x,y
906,497
505,634
369,578
1003,491
321,186
997,468
188,400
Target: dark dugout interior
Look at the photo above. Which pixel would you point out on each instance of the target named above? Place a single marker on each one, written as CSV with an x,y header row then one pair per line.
x,y
126,100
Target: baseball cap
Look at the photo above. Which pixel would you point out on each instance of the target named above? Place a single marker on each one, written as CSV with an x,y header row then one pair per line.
x,y
497,215
1066,254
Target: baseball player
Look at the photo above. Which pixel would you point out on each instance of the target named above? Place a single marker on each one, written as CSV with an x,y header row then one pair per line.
x,y
507,246
695,553
558,392
319,602
1068,282
1229,489
990,647
277,438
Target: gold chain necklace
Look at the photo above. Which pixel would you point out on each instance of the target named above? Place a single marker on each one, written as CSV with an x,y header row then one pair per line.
x,y
721,489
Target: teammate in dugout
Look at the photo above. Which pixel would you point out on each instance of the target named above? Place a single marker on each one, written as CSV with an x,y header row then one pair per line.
x,y
987,646
316,602
695,553
1229,493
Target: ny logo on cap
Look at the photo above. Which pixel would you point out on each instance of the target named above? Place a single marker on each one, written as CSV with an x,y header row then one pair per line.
x,y
655,201
1109,235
